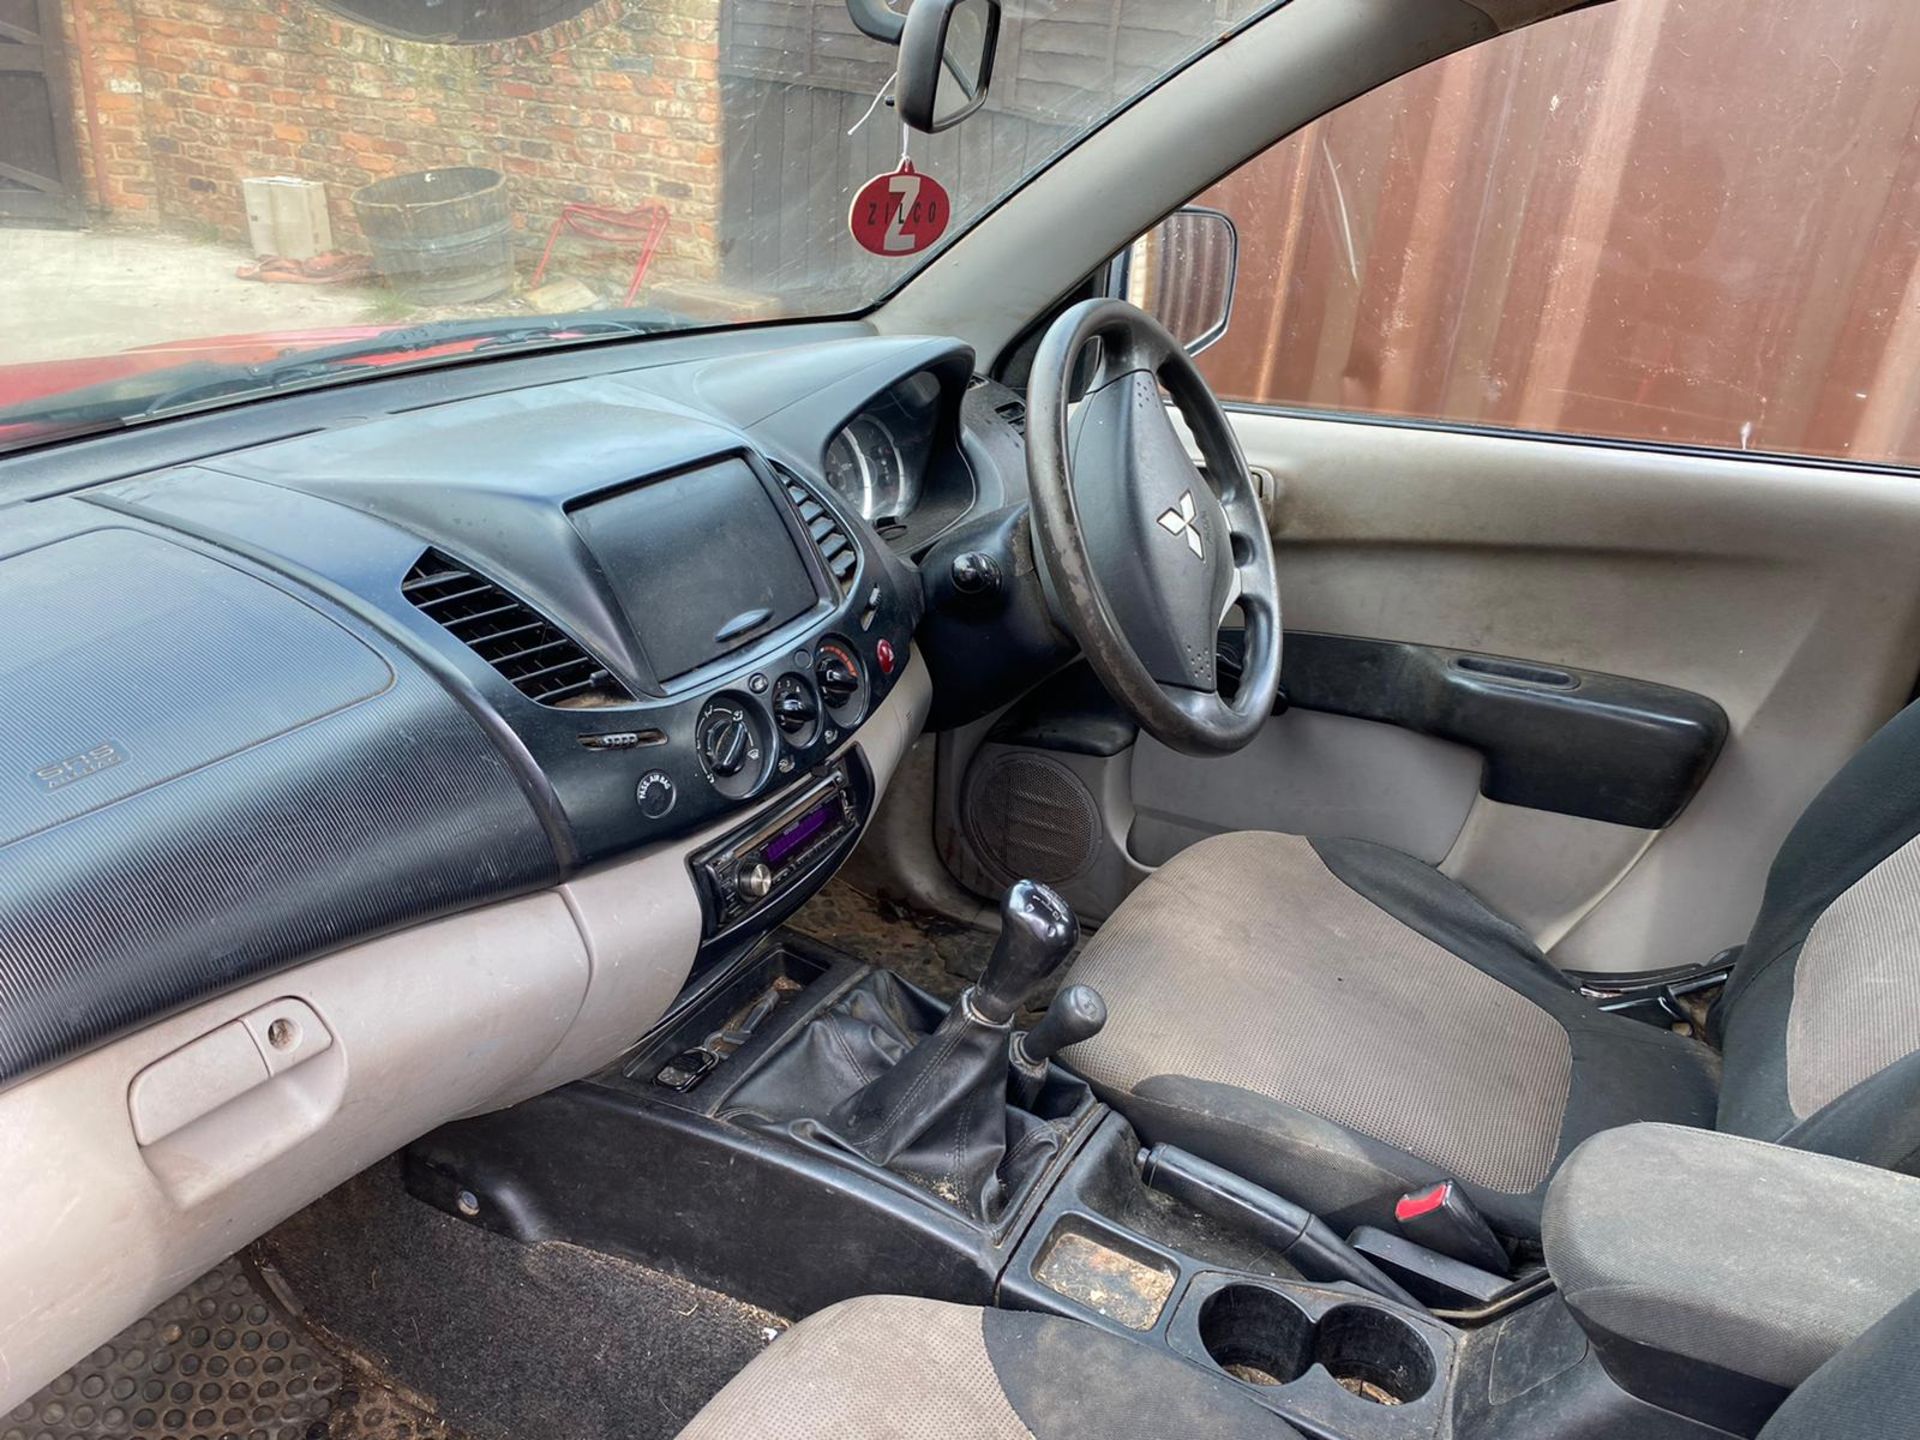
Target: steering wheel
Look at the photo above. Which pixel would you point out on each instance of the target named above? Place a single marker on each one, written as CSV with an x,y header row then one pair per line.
x,y
1143,554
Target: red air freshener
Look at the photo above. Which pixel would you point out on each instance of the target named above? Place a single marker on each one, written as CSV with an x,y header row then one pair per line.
x,y
899,213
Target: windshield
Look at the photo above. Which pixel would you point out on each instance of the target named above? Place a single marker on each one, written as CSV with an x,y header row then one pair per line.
x,y
200,203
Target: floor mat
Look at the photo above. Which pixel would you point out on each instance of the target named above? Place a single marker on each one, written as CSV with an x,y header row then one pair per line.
x,y
513,1341
222,1358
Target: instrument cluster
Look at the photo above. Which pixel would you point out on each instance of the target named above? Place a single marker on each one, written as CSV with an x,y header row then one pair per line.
x,y
878,462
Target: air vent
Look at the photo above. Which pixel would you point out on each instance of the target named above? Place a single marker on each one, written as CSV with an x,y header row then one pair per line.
x,y
1014,412
837,550
542,661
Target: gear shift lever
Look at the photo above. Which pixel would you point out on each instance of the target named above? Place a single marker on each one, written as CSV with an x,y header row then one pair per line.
x,y
1037,933
940,1114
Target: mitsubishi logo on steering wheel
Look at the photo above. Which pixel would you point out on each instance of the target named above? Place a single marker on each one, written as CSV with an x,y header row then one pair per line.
x,y
1184,519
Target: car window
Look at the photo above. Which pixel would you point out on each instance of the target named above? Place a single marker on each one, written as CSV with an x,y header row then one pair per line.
x,y
1687,221
202,203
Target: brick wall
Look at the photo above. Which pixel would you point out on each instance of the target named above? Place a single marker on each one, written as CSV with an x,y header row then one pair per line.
x,y
615,106
111,124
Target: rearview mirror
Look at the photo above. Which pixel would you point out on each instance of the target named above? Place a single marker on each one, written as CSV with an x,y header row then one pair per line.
x,y
946,61
1182,273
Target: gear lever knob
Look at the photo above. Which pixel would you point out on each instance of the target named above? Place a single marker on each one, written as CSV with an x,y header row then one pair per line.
x,y
1037,933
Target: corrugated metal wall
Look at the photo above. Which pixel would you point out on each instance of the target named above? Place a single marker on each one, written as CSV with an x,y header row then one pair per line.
x,y
1688,220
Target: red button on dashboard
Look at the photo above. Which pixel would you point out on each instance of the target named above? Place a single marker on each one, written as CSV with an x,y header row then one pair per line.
x,y
883,654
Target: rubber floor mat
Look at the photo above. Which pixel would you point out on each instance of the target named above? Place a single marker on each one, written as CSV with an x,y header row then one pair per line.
x,y
220,1361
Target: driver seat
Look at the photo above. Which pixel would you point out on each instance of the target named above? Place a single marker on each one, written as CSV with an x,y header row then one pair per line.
x,y
1343,1023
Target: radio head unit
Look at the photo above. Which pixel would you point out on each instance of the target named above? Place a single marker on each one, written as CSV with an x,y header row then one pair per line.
x,y
763,870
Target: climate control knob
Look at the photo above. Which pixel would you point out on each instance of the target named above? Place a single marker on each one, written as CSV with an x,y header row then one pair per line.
x,y
796,709
724,740
843,688
734,741
838,680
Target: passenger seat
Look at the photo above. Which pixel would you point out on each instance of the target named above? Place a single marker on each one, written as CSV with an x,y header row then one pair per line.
x,y
893,1368
887,1367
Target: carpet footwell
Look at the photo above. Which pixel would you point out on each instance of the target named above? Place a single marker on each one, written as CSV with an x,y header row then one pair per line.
x,y
939,955
512,1341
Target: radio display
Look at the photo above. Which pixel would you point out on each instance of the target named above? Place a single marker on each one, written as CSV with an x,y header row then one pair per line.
x,y
798,833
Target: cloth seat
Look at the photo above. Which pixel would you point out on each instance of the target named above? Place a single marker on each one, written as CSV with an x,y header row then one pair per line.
x,y
1343,1023
892,1368
887,1367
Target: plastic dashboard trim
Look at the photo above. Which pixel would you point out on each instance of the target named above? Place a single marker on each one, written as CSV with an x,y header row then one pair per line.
x,y
516,830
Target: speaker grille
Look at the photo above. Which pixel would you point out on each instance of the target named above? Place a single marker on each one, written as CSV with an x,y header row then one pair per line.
x,y
1030,818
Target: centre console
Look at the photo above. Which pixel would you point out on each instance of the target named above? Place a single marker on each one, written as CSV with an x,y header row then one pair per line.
x,y
1332,1358
675,1156
666,624
799,1132
804,1129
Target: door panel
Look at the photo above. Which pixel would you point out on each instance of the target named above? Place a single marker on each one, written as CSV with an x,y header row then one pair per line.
x,y
1786,593
1543,871
1575,742
1309,774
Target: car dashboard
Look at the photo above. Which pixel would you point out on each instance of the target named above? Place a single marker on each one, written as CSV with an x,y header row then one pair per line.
x,y
469,719
650,619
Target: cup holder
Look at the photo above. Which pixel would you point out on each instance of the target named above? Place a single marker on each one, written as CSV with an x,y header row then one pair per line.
x,y
1373,1354
1256,1334
1260,1337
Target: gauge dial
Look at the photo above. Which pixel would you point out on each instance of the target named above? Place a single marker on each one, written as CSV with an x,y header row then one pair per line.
x,y
865,466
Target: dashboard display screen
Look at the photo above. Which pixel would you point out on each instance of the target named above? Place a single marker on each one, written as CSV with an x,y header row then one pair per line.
x,y
703,562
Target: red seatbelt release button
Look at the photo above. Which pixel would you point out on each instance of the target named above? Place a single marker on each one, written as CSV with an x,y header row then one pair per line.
x,y
1422,1202
1443,1219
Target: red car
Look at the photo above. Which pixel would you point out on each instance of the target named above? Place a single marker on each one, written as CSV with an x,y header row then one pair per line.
x,y
97,376
22,383
103,389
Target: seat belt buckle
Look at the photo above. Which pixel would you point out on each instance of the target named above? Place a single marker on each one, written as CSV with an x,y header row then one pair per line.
x,y
1443,1219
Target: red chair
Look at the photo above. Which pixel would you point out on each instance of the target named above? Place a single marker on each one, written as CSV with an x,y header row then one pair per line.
x,y
641,227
